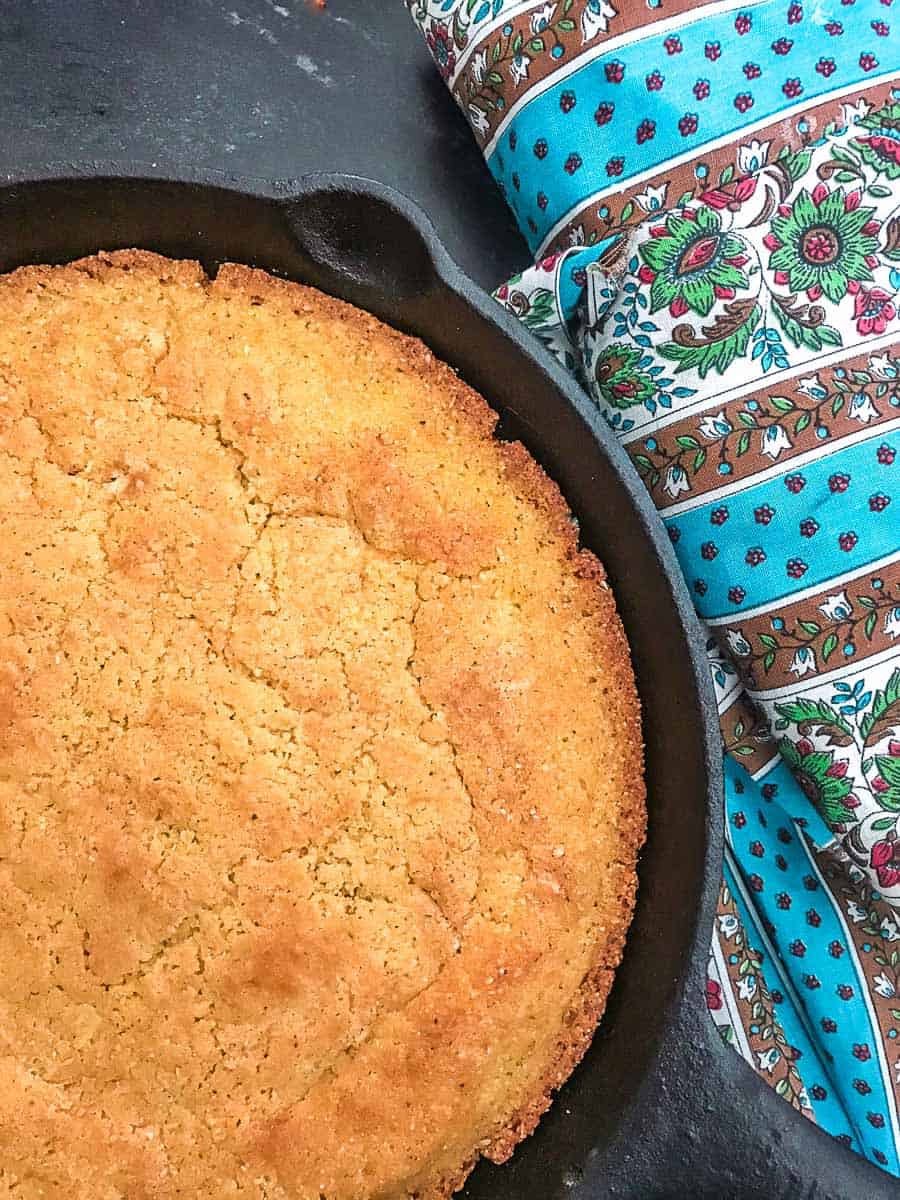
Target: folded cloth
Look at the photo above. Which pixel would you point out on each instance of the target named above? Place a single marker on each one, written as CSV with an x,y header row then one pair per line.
x,y
712,194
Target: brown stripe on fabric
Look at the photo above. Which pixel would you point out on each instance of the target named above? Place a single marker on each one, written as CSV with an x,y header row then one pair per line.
x,y
772,648
756,1010
746,735
833,398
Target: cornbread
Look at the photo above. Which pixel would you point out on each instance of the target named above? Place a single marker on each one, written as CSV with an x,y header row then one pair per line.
x,y
322,769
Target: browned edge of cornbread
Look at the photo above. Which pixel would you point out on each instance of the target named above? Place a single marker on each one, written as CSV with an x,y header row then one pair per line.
x,y
533,484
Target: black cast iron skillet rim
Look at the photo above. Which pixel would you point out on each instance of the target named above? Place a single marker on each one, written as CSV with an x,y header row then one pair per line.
x,y
700,1122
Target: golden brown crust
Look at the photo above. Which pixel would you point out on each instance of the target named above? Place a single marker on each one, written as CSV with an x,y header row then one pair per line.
x,y
323,771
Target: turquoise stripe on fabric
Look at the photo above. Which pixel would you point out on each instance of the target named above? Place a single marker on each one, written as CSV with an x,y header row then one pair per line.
x,y
567,148
760,556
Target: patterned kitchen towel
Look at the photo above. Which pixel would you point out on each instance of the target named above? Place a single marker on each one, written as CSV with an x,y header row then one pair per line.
x,y
712,195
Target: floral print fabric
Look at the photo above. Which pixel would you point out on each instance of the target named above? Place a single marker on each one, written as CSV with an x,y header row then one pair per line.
x,y
712,191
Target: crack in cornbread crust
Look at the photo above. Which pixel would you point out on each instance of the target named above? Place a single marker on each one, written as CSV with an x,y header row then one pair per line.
x,y
389,1095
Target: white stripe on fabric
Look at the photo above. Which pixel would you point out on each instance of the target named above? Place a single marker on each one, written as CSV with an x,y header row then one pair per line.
x,y
713,399
680,21
726,139
817,453
767,768
870,1008
836,582
734,1015
728,698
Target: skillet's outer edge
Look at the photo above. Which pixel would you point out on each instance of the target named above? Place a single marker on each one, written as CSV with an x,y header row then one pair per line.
x,y
698,1122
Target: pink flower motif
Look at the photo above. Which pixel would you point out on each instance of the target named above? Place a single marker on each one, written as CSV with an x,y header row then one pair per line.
x,y
742,23
713,995
743,190
795,14
868,62
792,88
712,50
673,45
701,89
826,67
883,855
743,101
782,45
873,309
604,113
716,198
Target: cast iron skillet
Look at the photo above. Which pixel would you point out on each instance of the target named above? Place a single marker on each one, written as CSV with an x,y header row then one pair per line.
x,y
658,1108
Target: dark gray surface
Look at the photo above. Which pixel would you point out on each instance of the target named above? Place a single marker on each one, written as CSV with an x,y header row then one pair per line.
x,y
267,89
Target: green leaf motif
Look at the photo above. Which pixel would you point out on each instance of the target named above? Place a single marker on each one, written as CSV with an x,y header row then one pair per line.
x,y
836,405
747,419
883,823
869,627
717,354
803,422
537,45
782,403
810,627
687,442
813,337
769,661
743,444
626,212
888,768
768,640
885,709
815,712
699,459
829,646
